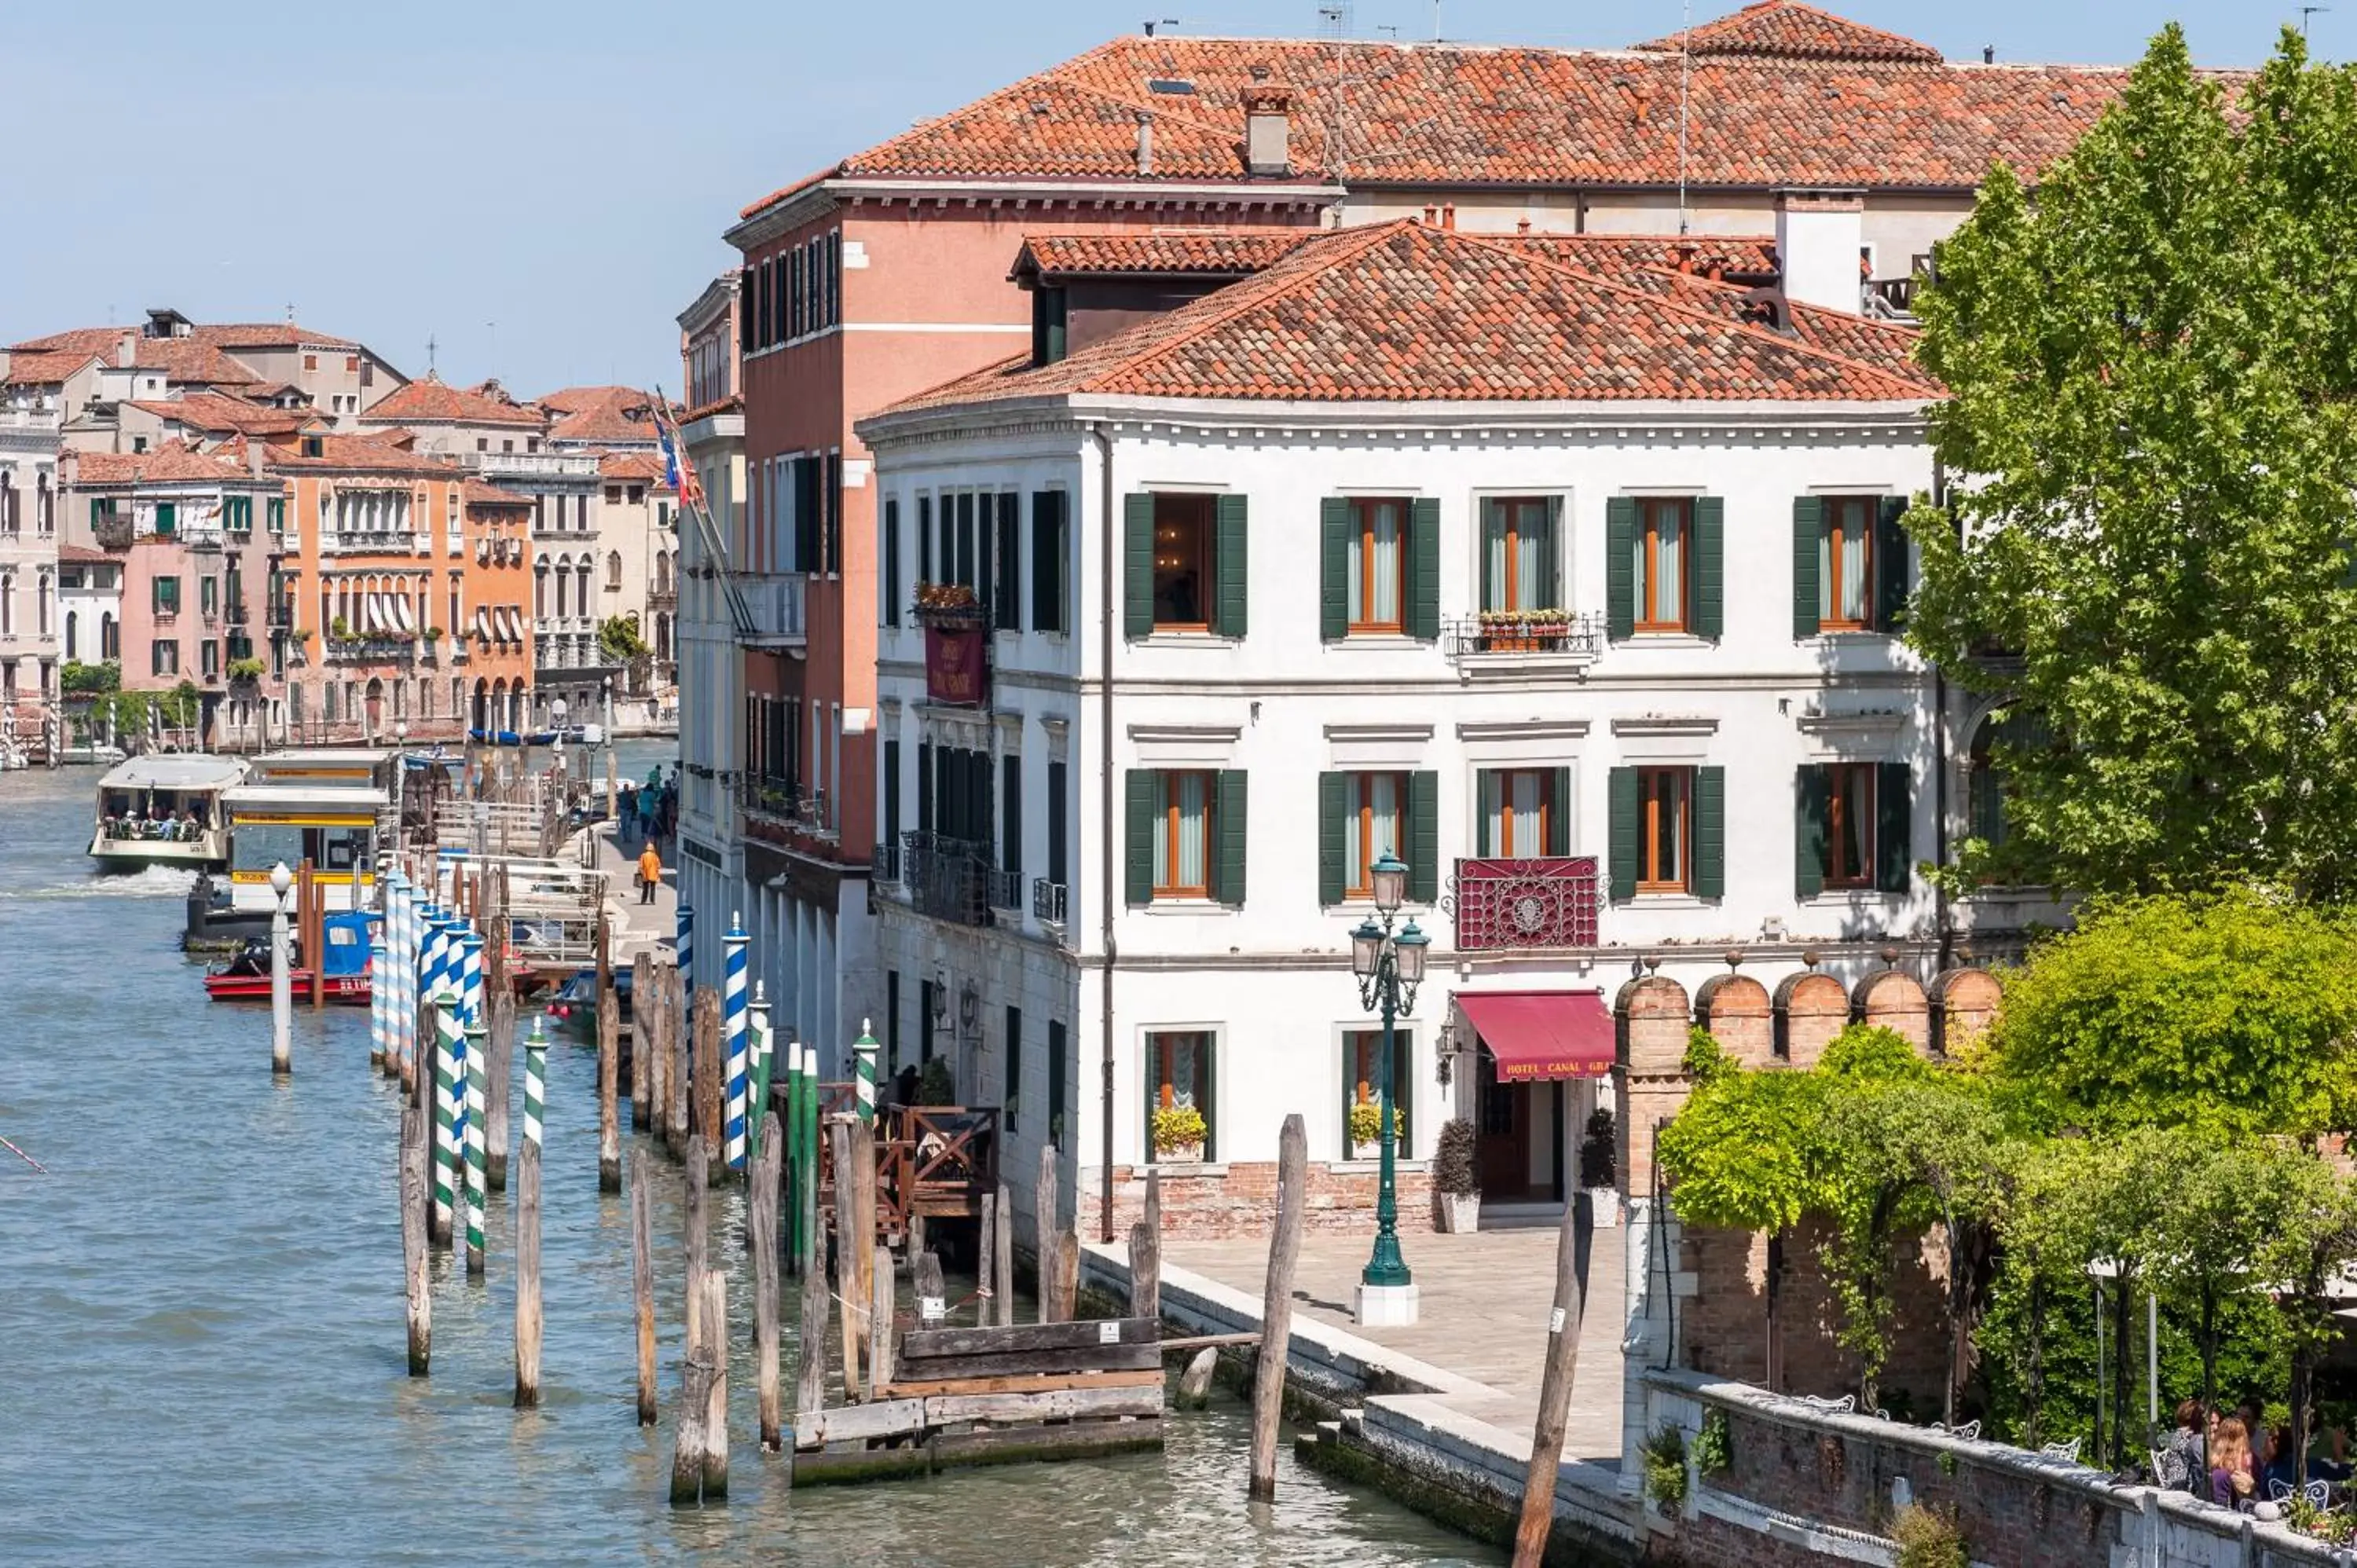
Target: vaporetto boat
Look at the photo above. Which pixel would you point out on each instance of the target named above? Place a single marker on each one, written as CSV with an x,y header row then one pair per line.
x,y
165,810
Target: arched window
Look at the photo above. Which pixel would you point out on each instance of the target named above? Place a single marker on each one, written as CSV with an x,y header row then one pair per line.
x,y
110,637
662,635
42,587
7,603
73,649
1985,777
662,571
540,591
581,587
564,584
613,569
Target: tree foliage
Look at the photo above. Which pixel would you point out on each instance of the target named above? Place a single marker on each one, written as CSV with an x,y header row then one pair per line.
x,y
2231,1012
2151,422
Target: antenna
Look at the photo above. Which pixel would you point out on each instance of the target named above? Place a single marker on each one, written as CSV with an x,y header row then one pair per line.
x,y
1686,78
2304,13
1166,22
1392,28
1336,14
430,347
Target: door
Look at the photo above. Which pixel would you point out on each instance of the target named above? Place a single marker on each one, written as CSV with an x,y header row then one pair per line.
x,y
1517,1155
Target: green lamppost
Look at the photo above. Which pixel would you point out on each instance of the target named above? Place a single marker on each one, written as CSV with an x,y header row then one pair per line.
x,y
1389,967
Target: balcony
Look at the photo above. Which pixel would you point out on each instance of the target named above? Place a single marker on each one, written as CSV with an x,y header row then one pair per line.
x,y
663,599
1047,901
1522,642
778,810
884,868
947,878
529,465
371,650
1889,299
1004,890
774,601
1503,905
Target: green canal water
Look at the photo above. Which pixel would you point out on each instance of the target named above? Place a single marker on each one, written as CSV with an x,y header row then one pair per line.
x,y
200,1317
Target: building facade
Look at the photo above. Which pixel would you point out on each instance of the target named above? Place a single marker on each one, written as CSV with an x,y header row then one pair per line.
x,y
28,568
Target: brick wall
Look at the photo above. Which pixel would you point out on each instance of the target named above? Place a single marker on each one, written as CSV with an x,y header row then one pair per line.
x,y
1238,1198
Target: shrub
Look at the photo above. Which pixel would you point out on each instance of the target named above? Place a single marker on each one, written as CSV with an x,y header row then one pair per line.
x,y
1598,1163
1714,1448
1927,1538
1178,1127
935,1086
1366,1122
1665,1469
1452,1162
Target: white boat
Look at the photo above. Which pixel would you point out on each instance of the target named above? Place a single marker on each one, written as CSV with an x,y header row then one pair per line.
x,y
165,810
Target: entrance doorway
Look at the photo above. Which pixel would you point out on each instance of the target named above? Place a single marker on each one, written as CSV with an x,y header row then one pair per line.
x,y
1518,1150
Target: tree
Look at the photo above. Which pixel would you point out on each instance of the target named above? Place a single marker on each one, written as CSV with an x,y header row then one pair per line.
x,y
2150,369
2313,1247
618,639
2232,1012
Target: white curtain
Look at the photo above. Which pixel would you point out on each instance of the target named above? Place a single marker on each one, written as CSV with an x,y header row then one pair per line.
x,y
1497,593
1376,594
1669,579
1512,813
1518,554
1186,791
1383,817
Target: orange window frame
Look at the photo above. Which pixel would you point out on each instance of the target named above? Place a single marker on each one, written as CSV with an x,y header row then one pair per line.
x,y
1362,519
1363,824
1173,812
1841,512
1840,779
1658,787
1652,512
1503,831
1518,510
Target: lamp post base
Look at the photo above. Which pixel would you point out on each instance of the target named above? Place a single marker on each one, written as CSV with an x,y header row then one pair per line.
x,y
1385,1307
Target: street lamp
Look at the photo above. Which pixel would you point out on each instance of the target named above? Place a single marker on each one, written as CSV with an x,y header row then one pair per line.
x,y
1389,967
281,979
557,710
400,768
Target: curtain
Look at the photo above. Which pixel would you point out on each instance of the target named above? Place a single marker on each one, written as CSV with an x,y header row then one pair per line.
x,y
1376,594
1669,576
1383,807
1855,826
1855,523
1490,786
1187,793
1497,593
1536,586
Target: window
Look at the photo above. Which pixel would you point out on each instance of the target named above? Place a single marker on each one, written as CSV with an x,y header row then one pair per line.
x,y
1178,1076
613,569
1058,1074
637,495
1010,816
1525,812
1849,860
613,495
163,658
1520,548
1056,829
1662,563
1377,803
138,444
1854,829
166,518
892,1023
209,657
208,597
166,599
892,561
1048,542
1360,816
1007,590
1182,854
1377,565
926,992
1048,326
1011,1094
310,361
1183,535
1664,846
1850,564
1845,566
1363,1057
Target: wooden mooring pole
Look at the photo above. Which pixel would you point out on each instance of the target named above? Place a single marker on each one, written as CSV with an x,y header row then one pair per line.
x,y
413,1240
1002,1284
715,1414
609,1057
643,1009
1045,1235
985,1267
762,1228
1572,1244
643,1285
677,1085
697,1181
527,1319
852,1300
502,1045
1276,1305
706,1066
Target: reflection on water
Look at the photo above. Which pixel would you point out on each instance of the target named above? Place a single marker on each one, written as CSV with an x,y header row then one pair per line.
x,y
200,1315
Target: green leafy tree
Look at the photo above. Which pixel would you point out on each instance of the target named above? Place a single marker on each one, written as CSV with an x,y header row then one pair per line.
x,y
2313,1247
2150,369
2232,1012
618,640
77,679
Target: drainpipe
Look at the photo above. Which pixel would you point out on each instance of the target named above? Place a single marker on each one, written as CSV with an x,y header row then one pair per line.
x,y
1107,541
1943,916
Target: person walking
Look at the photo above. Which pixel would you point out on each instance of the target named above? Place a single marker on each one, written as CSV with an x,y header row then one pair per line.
x,y
650,872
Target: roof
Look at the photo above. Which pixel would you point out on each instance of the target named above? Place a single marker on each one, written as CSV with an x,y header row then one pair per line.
x,y
184,360
1785,29
595,415
479,492
212,410
44,367
1851,108
1176,252
430,399
1404,312
641,466
266,335
571,400
82,552
366,452
170,464
175,770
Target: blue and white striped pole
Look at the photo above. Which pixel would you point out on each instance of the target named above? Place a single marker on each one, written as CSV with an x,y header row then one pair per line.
x,y
477,1063
470,975
686,950
380,999
385,978
732,1032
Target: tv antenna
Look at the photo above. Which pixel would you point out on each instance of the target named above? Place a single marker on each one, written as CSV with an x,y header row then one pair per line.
x,y
1686,78
2304,13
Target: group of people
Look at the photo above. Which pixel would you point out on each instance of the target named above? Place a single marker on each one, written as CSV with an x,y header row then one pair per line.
x,y
159,824
648,811
2230,1456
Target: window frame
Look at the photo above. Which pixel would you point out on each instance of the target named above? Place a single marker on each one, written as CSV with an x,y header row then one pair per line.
x,y
1361,561
1649,837
1355,1036
1204,506
1358,881
1837,876
1159,1081
1170,810
1554,507
1830,537
1650,510
1498,828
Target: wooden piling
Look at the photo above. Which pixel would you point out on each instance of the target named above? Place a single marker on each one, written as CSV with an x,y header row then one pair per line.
x,y
658,1048
680,1040
985,1267
502,1045
1195,1383
527,1318
863,1213
762,1228
609,1057
809,1386
1276,1305
1045,1235
413,1202
707,1065
1002,1284
1571,1256
308,898
715,1414
698,1179
883,1309
643,1013
1145,1271
847,1293
643,1285
933,1296
687,1445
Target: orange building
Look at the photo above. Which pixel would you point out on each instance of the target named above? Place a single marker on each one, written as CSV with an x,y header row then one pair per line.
x,y
404,583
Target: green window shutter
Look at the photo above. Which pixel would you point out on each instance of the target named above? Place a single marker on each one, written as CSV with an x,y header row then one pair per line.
x,y
1808,528
1811,828
1210,1095
1894,820
1424,567
1228,569
1333,568
1890,585
1710,566
1558,833
1621,574
1423,850
1143,787
1623,835
1138,566
97,511
1230,807
1333,836
1710,833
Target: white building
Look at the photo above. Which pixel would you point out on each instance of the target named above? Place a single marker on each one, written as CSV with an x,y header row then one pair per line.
x,y
1276,518
28,568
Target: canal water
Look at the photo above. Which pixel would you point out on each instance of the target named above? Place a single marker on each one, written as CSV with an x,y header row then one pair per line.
x,y
200,1315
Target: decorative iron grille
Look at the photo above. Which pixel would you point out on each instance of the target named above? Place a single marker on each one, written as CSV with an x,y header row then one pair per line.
x,y
1548,902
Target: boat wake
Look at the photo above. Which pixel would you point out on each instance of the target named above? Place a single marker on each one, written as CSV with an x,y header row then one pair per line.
x,y
147,882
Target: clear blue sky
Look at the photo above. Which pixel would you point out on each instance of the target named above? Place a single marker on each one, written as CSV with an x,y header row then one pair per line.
x,y
542,186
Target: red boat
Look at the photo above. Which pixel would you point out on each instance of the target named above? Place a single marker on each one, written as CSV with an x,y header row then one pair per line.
x,y
246,977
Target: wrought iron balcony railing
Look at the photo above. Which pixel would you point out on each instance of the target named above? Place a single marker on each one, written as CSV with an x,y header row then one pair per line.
x,y
947,878
1549,901
1047,901
1564,636
884,870
1003,889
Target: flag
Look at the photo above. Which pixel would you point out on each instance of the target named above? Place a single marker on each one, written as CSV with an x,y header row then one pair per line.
x,y
680,477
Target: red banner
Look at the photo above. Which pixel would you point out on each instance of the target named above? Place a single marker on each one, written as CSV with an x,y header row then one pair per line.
x,y
953,667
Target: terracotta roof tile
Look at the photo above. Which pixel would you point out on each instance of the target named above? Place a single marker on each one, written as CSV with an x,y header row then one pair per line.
x,y
1858,108
572,400
367,453
1400,312
185,361
431,401
478,492
594,414
170,464
1194,252
236,335
221,412
45,366
1785,29
645,466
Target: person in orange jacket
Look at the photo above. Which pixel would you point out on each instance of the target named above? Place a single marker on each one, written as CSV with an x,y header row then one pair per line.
x,y
650,872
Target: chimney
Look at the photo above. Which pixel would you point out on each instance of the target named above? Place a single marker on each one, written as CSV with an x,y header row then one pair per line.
x,y
1268,125
1820,241
126,349
1145,145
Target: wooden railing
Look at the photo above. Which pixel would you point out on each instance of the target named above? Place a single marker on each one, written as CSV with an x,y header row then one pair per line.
x,y
932,1160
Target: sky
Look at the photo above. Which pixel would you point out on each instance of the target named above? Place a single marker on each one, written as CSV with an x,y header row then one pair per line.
x,y
538,189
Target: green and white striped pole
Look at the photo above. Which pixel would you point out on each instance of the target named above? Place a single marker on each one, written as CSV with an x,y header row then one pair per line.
x,y
809,1118
446,1045
536,1079
864,1050
791,1125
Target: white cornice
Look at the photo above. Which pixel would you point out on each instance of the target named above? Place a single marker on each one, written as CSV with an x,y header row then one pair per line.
x,y
819,197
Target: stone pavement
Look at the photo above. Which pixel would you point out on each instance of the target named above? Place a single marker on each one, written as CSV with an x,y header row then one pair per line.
x,y
1484,1303
636,926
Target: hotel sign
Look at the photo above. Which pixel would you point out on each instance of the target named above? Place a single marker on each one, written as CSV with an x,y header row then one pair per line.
x,y
953,665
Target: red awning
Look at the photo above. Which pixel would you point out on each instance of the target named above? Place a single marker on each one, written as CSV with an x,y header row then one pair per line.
x,y
1541,1034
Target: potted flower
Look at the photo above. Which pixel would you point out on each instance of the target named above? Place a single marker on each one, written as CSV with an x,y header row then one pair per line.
x,y
1598,1169
340,628
1456,1193
1366,1130
948,605
1178,1134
